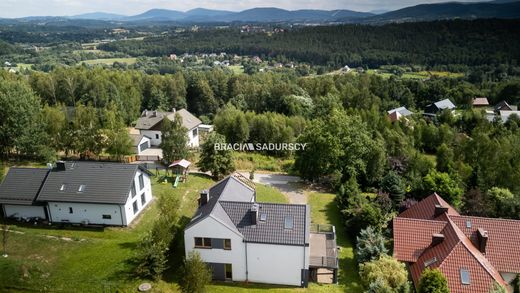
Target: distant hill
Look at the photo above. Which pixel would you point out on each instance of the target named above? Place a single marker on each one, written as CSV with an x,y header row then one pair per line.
x,y
99,16
427,12
271,14
158,15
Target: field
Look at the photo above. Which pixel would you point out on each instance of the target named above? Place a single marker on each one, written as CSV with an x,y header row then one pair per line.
x,y
247,161
416,75
110,61
89,260
237,69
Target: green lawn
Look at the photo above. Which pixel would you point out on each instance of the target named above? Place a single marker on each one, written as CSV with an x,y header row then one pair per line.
x,y
110,61
246,161
237,69
101,260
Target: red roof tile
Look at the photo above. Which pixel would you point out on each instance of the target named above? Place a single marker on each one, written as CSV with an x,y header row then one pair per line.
x,y
458,250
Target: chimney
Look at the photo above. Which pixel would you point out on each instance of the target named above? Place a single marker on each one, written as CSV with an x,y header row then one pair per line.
x,y
482,239
437,239
204,197
145,113
254,213
154,114
60,166
439,210
174,110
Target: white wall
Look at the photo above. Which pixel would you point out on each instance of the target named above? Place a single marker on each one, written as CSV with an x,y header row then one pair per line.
x,y
128,210
91,212
152,134
193,141
211,228
24,211
276,264
143,140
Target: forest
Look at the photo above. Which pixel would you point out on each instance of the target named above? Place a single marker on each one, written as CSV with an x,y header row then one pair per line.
x,y
470,43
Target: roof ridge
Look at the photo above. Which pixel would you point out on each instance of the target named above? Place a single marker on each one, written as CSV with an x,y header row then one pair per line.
x,y
269,203
421,220
486,218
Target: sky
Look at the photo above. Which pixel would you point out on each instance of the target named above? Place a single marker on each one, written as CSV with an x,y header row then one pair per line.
x,y
21,8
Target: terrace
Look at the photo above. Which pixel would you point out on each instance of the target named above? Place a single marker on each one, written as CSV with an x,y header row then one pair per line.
x,y
323,261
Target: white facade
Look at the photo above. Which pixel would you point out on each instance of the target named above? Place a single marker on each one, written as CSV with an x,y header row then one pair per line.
x,y
253,262
265,265
22,211
156,137
212,228
104,214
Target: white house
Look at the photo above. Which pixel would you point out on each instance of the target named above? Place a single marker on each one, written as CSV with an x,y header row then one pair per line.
x,y
150,123
78,192
243,240
140,143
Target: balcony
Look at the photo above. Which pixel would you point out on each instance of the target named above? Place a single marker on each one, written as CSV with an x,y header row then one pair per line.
x,y
323,260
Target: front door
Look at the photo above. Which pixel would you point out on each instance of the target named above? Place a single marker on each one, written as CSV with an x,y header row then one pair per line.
x,y
229,271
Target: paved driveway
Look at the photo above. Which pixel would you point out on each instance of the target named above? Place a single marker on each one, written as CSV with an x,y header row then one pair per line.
x,y
291,186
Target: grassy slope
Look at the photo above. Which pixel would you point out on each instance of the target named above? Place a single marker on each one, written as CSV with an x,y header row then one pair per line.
x,y
110,61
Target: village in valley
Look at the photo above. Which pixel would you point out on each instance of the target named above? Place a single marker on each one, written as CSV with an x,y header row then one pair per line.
x,y
261,150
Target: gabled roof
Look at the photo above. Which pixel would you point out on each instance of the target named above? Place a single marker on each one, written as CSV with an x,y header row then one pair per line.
x,y
152,119
401,110
425,209
230,202
480,101
183,163
444,104
22,185
271,231
503,105
460,248
108,183
137,138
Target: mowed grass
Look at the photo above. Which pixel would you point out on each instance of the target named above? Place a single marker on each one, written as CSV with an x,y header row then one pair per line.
x,y
110,61
86,260
237,69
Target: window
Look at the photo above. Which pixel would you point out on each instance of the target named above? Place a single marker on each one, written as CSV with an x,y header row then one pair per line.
x,y
143,199
82,188
195,132
156,136
227,244
468,224
430,262
141,182
263,217
107,217
71,211
464,277
201,242
288,222
229,271
135,207
133,189
63,187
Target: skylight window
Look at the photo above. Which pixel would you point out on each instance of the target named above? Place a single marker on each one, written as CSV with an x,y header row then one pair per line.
x,y
63,187
289,223
82,188
465,277
263,217
468,224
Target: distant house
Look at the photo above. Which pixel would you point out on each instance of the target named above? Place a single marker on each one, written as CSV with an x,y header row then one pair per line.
x,y
433,109
480,102
150,123
140,143
346,68
244,240
398,113
504,115
504,106
472,252
77,192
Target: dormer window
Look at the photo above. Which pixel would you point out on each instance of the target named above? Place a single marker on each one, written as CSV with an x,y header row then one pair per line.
x,y
82,188
63,187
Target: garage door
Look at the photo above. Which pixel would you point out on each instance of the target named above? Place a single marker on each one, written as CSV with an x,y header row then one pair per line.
x,y
143,146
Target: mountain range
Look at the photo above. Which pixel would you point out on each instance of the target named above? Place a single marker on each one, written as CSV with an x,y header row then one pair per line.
x,y
507,9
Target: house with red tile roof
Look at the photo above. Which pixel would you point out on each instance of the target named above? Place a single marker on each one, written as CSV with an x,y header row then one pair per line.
x,y
472,252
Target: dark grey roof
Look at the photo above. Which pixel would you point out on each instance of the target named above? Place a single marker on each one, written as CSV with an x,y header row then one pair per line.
x,y
21,185
272,231
230,202
234,190
104,183
151,119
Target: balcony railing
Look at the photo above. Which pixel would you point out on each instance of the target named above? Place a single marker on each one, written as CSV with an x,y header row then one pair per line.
x,y
323,261
325,229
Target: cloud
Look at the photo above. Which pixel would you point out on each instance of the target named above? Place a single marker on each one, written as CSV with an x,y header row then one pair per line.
x,y
20,8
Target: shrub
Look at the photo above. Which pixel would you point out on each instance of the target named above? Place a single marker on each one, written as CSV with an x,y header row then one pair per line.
x,y
196,274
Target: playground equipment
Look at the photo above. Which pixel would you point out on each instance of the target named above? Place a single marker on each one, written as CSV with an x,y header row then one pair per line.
x,y
181,170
